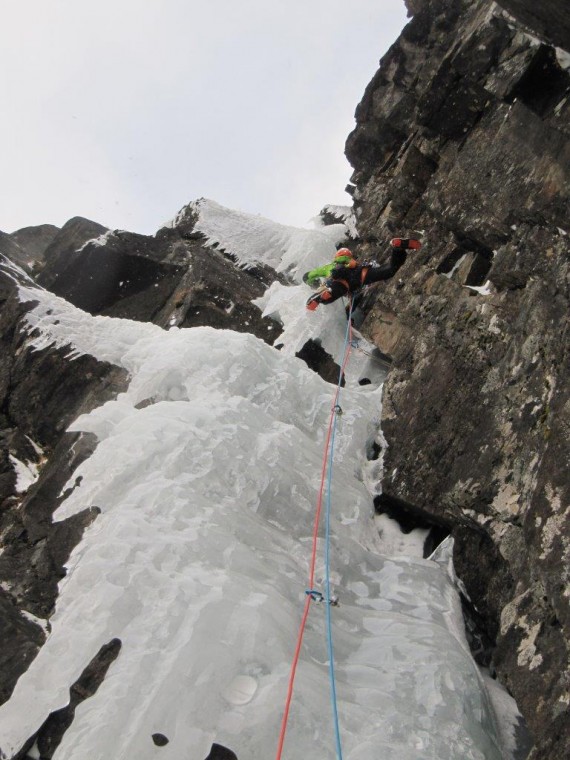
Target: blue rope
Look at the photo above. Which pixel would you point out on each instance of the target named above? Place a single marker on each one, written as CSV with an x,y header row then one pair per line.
x,y
327,553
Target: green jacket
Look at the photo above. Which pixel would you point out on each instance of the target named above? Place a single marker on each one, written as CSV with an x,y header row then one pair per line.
x,y
324,272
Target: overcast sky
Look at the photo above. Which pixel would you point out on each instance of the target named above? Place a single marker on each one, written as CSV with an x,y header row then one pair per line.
x,y
122,111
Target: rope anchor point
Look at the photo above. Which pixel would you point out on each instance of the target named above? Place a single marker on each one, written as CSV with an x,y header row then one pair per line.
x,y
317,596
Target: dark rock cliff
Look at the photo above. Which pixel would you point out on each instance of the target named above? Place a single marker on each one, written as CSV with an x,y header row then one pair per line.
x,y
27,246
462,138
549,19
35,240
9,247
170,278
68,241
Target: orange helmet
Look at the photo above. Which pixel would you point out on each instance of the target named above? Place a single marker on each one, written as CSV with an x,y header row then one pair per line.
x,y
344,252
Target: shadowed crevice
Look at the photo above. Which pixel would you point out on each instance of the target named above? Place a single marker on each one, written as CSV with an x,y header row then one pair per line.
x,y
51,733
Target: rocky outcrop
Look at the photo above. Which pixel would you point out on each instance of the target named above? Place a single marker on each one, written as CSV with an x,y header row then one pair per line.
x,y
170,279
462,138
549,18
10,248
68,241
27,246
35,240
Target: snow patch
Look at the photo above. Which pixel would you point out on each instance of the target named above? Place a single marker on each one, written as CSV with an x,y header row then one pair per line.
x,y
483,290
36,447
26,473
41,622
563,58
98,241
456,266
34,752
16,273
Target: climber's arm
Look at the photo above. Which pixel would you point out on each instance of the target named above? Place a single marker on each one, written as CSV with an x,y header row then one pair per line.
x,y
319,273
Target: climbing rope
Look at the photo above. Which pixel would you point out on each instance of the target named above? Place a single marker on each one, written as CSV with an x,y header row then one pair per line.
x,y
338,412
311,594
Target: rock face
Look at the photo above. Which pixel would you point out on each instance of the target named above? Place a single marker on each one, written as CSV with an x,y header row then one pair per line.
x,y
549,19
72,236
171,278
462,138
10,248
35,240
26,247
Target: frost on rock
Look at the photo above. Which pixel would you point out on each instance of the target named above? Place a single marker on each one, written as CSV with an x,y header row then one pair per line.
x,y
198,564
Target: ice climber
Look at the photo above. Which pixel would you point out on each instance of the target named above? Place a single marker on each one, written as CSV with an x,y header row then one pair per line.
x,y
345,275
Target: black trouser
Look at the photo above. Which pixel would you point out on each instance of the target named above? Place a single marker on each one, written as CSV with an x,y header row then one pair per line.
x,y
349,281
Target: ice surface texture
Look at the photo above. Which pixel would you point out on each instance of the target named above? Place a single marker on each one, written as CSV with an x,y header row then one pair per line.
x,y
198,563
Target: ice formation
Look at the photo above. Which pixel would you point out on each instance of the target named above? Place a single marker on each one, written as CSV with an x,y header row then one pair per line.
x,y
206,475
254,239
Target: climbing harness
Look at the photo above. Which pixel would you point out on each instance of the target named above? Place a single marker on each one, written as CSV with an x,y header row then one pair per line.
x,y
311,594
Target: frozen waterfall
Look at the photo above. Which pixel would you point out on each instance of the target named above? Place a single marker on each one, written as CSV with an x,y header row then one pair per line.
x,y
206,475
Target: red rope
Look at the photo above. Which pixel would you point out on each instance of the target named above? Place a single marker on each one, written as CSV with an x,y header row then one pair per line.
x,y
314,553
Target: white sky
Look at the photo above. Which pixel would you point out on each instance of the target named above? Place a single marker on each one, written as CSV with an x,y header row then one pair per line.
x,y
122,111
